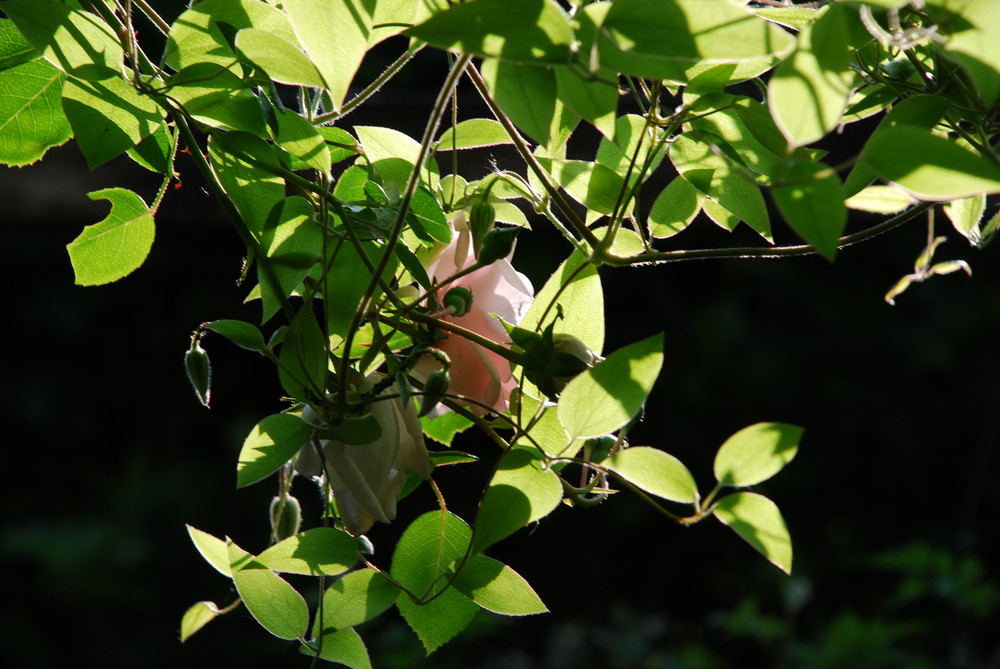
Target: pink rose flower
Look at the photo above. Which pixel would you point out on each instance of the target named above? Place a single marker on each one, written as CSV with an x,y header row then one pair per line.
x,y
498,288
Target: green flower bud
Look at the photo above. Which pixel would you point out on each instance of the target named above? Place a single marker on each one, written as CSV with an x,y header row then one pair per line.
x,y
481,219
199,369
458,300
497,244
599,448
435,387
286,517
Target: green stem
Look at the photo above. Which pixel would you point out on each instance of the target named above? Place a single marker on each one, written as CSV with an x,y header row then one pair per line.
x,y
371,89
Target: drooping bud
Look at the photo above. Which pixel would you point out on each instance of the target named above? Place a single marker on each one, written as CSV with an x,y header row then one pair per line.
x,y
199,369
434,389
481,219
497,244
599,448
286,516
570,356
458,300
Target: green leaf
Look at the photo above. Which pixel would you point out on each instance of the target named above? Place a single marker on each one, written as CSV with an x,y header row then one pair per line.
x,y
270,599
321,550
923,111
498,588
292,242
655,472
546,432
808,92
197,617
444,428
719,178
966,215
975,42
77,42
595,100
315,21
270,444
473,133
213,95
438,621
303,141
303,358
928,166
521,491
155,152
758,520
341,143
345,283
756,453
880,200
241,333
343,646
283,61
526,94
356,598
427,219
593,185
428,545
536,31
31,117
674,208
811,199
212,549
632,39
605,397
393,155
118,245
197,34
235,157
108,117
632,141
745,126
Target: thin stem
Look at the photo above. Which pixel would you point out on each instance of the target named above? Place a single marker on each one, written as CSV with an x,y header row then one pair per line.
x,y
371,89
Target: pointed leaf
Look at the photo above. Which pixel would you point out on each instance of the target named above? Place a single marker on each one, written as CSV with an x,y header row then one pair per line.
x,y
473,133
212,549
321,550
498,588
756,453
811,198
118,245
605,397
536,31
521,492
270,444
270,599
343,646
241,333
303,141
292,241
440,620
654,471
197,617
674,208
283,61
393,155
758,520
526,94
237,158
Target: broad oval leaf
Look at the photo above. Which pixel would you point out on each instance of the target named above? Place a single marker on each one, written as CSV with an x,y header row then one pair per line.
x,y
273,603
118,245
498,588
654,471
473,133
536,31
241,333
759,522
212,549
356,598
271,443
928,166
520,492
756,453
282,60
428,545
605,397
321,550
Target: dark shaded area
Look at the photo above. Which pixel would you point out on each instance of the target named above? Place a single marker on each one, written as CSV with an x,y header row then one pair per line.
x,y
110,454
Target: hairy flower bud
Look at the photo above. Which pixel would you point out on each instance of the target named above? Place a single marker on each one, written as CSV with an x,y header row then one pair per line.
x,y
286,516
481,220
434,388
497,244
199,370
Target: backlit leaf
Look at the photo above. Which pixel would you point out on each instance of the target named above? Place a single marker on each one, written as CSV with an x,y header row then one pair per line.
x,y
756,453
498,588
271,443
654,471
118,245
758,521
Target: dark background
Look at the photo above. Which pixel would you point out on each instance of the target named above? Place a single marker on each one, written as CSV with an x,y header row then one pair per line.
x,y
109,454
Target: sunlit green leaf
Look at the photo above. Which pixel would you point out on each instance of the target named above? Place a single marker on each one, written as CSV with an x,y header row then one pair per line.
x,y
303,358
498,588
393,155
31,117
514,30
811,198
235,157
197,617
315,21
271,443
880,200
77,42
593,185
357,597
595,100
521,492
292,242
282,60
654,471
674,208
527,94
240,333
758,520
928,166
473,133
343,646
321,550
966,214
212,549
118,245
756,453
303,141
218,98
605,397
270,599
440,620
